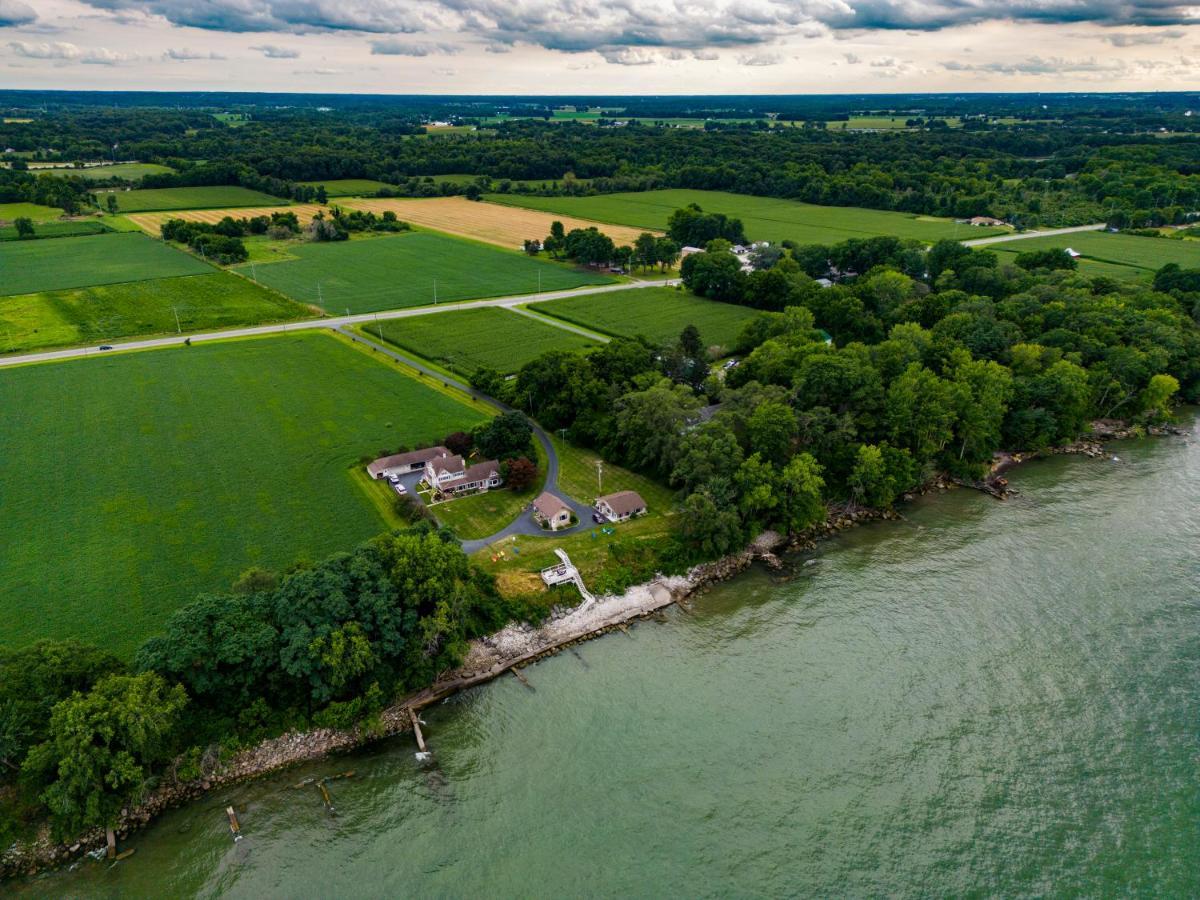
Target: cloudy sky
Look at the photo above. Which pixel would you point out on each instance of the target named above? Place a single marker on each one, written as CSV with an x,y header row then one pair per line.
x,y
601,46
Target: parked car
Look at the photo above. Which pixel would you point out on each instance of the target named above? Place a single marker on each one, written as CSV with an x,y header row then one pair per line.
x,y
394,479
106,346
596,517
400,489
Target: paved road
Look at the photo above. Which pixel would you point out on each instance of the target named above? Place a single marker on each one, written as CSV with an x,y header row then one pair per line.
x,y
523,523
1001,238
331,322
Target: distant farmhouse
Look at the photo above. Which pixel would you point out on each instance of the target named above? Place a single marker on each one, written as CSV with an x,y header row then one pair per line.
x,y
403,463
983,222
551,511
621,506
445,472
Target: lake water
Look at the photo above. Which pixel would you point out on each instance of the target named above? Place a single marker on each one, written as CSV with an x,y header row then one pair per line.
x,y
985,699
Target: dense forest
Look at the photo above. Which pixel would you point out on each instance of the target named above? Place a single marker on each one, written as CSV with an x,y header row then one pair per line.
x,y
1081,163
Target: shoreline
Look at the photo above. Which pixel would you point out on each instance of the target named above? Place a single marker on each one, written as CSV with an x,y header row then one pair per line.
x,y
515,646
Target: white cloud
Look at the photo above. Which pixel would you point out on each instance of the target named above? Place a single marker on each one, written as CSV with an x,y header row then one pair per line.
x,y
393,47
183,53
64,52
273,51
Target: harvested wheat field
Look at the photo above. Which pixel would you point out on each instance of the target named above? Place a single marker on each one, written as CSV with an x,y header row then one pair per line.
x,y
506,226
151,222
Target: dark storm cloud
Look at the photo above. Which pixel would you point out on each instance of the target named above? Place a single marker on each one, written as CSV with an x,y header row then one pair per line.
x,y
15,12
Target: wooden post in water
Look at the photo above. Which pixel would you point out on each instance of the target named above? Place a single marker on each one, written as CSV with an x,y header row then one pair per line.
x,y
112,842
416,724
235,827
521,678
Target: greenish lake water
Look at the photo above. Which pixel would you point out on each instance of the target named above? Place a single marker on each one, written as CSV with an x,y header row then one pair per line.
x,y
986,699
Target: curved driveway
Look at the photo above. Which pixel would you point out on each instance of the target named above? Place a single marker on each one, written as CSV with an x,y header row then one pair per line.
x,y
523,524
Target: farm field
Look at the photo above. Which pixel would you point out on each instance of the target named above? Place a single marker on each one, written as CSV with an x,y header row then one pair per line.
x,y
470,339
32,266
658,314
765,218
192,198
404,270
104,552
108,312
1119,255
33,211
348,187
128,171
151,222
56,229
505,226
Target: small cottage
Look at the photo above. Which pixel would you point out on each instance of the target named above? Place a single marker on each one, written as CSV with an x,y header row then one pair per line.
x,y
551,511
621,506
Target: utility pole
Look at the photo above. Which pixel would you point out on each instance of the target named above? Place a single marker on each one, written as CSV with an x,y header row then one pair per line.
x,y
539,281
178,327
320,297
599,476
378,327
253,272
435,292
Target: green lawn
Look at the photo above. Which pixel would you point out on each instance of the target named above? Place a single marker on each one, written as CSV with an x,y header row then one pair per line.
x,y
470,339
349,187
31,266
12,211
155,199
56,229
658,314
1125,256
136,481
589,548
108,312
128,171
765,218
481,515
405,270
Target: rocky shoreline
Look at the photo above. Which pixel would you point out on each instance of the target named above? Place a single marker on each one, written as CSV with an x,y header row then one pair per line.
x,y
515,646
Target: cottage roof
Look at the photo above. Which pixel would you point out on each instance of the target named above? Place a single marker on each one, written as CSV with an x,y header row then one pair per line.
x,y
448,463
405,459
622,503
549,505
478,472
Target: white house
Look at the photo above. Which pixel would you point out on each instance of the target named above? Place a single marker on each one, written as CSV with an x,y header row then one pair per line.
x,y
403,463
621,506
551,511
450,475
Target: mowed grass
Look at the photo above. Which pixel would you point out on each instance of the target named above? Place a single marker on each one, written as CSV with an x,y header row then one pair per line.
x,y
56,229
471,339
128,171
109,312
349,187
27,267
133,482
765,218
1119,255
153,199
10,212
405,270
658,314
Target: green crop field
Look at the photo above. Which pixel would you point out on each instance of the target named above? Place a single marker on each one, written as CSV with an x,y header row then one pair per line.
x,y
128,171
405,270
136,481
349,187
31,266
765,218
1124,256
56,229
658,314
95,315
470,339
12,211
155,199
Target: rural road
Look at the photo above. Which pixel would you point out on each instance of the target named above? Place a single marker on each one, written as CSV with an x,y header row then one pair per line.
x,y
523,523
1001,238
333,322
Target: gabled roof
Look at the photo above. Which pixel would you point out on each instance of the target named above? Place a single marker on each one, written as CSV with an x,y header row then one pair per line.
x,y
549,505
448,463
478,472
622,503
405,459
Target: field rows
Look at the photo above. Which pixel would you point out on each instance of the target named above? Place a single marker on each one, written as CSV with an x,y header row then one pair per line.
x,y
471,339
506,226
152,199
201,462
151,222
658,314
1109,254
414,269
765,218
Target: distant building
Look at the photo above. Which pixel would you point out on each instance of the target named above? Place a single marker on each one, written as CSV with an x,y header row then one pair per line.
x,y
685,252
986,221
824,282
621,506
1074,254
551,511
403,463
